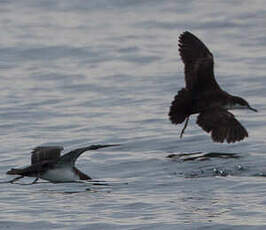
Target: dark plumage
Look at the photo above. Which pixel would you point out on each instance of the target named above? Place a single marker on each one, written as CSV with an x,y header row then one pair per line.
x,y
203,95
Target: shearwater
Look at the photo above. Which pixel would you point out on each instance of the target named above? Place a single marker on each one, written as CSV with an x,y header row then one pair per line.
x,y
202,95
48,164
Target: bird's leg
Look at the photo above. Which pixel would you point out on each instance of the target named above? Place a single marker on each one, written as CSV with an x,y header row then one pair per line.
x,y
185,126
15,179
36,179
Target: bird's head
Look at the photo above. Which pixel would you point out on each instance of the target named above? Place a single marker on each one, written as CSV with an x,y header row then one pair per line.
x,y
240,103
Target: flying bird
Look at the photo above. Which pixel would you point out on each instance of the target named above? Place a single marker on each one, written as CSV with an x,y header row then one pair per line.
x,y
202,95
48,164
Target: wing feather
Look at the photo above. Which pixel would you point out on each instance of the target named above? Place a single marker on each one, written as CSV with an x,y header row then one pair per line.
x,y
45,153
72,156
222,125
198,61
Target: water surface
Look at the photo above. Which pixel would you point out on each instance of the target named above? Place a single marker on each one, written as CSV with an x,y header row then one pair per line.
x,y
103,72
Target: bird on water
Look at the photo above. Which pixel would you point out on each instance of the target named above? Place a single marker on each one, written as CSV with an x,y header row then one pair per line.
x,y
48,164
202,95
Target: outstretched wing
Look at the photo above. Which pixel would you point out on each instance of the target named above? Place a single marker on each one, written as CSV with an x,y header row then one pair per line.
x,y
198,62
222,125
72,156
45,153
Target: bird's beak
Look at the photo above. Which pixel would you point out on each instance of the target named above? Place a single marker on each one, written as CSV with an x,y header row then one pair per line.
x,y
253,109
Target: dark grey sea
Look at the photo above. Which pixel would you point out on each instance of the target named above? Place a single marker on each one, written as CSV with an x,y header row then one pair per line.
x,y
76,73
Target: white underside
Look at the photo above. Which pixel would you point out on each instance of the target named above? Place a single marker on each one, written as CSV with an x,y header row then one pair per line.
x,y
236,106
60,175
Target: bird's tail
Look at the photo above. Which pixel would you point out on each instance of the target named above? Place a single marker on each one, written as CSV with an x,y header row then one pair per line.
x,y
15,171
180,107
